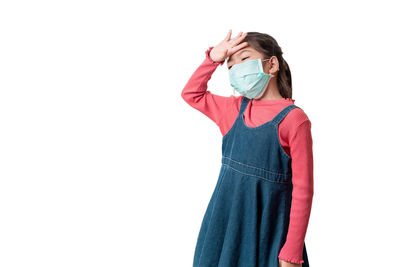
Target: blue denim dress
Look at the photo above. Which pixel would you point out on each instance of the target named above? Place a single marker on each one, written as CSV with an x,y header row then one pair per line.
x,y
247,218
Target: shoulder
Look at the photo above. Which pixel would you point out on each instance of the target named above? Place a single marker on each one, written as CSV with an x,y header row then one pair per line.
x,y
296,120
296,117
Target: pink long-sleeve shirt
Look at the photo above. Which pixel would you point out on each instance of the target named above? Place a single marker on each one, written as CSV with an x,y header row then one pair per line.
x,y
294,135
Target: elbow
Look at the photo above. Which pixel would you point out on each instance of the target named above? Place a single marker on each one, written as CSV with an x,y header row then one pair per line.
x,y
183,95
189,96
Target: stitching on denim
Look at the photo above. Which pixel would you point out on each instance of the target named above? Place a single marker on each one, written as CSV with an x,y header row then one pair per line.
x,y
243,105
231,129
279,117
276,124
277,182
276,173
279,143
234,125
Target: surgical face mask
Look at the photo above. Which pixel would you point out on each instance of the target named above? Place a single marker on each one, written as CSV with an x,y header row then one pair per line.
x,y
248,78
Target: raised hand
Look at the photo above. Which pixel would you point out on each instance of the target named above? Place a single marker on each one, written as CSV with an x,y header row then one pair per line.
x,y
227,47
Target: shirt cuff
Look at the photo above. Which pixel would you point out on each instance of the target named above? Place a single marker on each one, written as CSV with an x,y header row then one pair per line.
x,y
209,58
295,261
283,255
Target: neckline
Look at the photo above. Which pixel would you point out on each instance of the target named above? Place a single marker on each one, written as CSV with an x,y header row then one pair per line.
x,y
272,101
265,123
255,127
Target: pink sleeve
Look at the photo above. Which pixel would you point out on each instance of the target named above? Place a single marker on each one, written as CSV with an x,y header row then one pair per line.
x,y
195,93
302,195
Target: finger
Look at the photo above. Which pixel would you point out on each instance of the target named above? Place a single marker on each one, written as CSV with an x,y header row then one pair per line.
x,y
237,36
238,47
232,41
228,36
238,40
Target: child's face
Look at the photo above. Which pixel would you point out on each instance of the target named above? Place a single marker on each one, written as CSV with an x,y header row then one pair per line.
x,y
248,53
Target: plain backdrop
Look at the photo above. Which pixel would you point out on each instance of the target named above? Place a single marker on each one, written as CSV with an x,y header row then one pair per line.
x,y
102,163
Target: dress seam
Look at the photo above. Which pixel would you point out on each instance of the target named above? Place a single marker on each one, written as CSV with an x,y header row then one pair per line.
x,y
248,174
275,173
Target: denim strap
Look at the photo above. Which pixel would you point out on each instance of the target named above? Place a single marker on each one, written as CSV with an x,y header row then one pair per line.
x,y
243,105
279,117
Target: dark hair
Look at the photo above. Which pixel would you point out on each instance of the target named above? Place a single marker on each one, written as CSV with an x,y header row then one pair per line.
x,y
268,46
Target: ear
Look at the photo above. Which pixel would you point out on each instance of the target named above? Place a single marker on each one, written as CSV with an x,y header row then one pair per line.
x,y
273,65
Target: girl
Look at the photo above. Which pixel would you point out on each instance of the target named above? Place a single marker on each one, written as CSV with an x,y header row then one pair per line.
x,y
259,211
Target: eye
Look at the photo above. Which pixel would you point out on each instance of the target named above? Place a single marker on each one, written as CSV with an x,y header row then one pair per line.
x,y
242,60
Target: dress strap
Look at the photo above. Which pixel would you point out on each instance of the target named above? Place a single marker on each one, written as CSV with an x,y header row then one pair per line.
x,y
243,105
282,114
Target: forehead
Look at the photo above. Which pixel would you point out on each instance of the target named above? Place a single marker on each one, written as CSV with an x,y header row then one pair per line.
x,y
238,53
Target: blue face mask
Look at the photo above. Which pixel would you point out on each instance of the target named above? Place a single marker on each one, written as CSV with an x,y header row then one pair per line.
x,y
248,78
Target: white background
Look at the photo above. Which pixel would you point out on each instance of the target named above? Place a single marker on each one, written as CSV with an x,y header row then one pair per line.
x,y
104,164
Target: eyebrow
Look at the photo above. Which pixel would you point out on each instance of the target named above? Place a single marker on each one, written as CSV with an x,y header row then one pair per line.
x,y
245,50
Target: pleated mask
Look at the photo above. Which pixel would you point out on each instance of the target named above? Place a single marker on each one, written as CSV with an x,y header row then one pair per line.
x,y
248,78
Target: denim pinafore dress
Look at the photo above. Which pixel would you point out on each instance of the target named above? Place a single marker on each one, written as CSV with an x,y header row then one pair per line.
x,y
247,218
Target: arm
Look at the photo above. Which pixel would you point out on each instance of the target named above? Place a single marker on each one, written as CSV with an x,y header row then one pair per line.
x,y
196,95
302,195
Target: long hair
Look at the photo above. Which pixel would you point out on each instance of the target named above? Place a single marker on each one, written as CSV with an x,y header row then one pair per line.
x,y
268,46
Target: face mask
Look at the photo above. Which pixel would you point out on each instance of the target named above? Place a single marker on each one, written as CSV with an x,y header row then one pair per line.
x,y
248,78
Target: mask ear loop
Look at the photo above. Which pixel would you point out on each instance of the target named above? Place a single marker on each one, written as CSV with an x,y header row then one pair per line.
x,y
272,75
